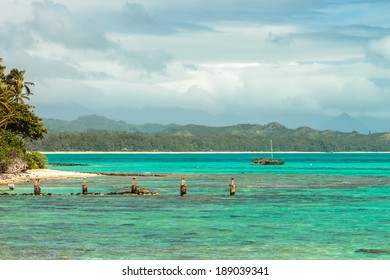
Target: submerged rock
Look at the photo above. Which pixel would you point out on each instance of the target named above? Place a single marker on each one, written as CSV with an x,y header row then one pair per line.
x,y
130,174
140,191
68,164
373,251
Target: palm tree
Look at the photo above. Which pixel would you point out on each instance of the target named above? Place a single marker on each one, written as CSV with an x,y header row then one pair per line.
x,y
6,96
19,87
2,68
7,110
13,91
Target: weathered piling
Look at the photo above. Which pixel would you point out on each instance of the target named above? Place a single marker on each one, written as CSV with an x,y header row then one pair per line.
x,y
84,188
232,187
37,187
134,185
183,187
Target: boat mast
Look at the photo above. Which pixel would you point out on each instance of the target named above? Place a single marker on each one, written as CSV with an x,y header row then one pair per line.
x,y
272,152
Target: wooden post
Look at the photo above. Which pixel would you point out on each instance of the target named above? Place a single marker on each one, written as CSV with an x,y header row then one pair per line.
x,y
37,187
84,187
183,187
134,185
232,187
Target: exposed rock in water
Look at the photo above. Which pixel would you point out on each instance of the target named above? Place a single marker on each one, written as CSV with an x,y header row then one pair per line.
x,y
373,251
129,174
68,164
143,191
140,192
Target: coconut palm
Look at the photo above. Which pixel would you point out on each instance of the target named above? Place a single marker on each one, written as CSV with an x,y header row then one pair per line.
x,y
13,91
19,87
7,110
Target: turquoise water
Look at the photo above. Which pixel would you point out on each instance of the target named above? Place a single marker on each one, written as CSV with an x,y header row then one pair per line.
x,y
316,206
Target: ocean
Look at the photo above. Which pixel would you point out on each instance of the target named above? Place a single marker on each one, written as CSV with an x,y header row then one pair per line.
x,y
316,206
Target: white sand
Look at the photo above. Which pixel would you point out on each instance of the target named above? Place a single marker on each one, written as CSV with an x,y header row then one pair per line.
x,y
29,175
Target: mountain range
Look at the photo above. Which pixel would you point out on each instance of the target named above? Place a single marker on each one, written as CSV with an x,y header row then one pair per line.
x,y
342,122
96,122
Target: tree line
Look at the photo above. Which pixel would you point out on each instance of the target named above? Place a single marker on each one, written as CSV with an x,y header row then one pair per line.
x,y
95,140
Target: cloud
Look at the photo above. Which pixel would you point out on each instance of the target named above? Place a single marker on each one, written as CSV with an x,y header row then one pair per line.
x,y
281,40
14,37
67,91
56,23
137,19
263,57
379,51
145,61
39,68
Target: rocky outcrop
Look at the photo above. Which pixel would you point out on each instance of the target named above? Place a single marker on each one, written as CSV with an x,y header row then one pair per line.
x,y
18,165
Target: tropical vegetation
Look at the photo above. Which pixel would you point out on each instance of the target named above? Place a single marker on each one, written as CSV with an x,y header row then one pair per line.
x,y
18,123
97,133
295,140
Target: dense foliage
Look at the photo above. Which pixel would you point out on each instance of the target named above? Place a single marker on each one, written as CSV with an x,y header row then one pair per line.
x,y
124,141
18,123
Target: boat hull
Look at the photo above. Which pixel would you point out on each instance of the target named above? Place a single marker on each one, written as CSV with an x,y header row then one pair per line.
x,y
267,161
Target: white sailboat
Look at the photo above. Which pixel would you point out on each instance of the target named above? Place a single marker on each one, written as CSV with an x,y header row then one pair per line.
x,y
268,161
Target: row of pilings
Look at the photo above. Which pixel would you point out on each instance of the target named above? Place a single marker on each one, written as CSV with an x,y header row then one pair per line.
x,y
134,190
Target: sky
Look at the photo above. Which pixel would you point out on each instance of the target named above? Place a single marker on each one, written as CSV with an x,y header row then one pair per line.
x,y
205,62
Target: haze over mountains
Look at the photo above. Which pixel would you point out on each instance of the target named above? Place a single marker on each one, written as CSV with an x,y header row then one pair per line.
x,y
163,116
342,123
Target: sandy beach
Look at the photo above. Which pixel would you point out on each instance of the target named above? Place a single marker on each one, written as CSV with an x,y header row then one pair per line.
x,y
41,174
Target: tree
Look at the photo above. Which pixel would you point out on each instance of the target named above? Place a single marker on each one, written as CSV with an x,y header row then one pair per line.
x,y
20,88
6,99
15,114
6,108
18,121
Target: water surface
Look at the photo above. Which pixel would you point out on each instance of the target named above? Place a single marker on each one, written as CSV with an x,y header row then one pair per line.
x,y
316,206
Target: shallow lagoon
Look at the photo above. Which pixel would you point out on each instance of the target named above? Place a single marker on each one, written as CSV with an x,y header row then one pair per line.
x,y
316,206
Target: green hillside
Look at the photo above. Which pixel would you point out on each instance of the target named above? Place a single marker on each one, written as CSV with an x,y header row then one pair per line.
x,y
97,133
95,122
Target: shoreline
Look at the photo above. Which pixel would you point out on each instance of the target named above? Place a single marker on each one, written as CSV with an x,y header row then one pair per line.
x,y
226,152
43,174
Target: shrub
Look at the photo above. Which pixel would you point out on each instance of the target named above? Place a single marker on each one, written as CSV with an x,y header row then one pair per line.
x,y
36,160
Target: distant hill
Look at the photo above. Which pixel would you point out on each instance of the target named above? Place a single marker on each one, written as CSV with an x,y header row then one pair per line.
x,y
95,122
270,130
273,129
345,123
98,133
